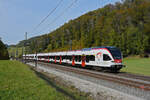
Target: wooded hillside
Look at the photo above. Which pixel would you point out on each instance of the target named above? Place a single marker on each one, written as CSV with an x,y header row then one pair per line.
x,y
124,25
3,52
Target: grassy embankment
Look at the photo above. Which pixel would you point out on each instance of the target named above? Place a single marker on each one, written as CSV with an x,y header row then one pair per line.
x,y
18,82
137,65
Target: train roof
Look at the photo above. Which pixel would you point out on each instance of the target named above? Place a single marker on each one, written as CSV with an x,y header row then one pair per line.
x,y
88,49
84,49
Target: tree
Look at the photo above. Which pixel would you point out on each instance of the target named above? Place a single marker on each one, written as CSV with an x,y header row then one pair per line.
x,y
3,52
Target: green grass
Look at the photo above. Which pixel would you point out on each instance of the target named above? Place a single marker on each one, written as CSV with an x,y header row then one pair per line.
x,y
137,65
18,82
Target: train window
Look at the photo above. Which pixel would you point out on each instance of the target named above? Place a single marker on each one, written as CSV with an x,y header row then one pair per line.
x,y
79,58
42,56
52,57
76,58
57,57
92,58
62,57
87,58
67,57
70,58
46,57
106,57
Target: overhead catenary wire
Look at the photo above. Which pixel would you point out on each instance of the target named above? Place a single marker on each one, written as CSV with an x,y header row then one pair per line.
x,y
61,14
51,12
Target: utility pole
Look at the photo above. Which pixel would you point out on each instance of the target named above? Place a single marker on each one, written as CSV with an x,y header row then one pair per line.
x,y
36,58
22,55
14,55
25,45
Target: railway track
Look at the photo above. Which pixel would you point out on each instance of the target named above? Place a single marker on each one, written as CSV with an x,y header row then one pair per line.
x,y
134,76
140,84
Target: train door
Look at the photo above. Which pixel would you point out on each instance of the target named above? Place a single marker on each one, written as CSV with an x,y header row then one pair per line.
x,y
99,58
48,59
73,60
83,60
55,59
45,59
60,59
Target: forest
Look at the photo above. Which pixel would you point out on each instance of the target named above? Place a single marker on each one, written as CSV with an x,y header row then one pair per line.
x,y
125,25
3,51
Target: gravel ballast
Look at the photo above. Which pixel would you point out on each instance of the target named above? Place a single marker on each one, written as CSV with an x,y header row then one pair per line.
x,y
99,89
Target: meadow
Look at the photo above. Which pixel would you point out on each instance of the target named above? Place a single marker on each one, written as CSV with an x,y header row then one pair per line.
x,y
137,65
18,82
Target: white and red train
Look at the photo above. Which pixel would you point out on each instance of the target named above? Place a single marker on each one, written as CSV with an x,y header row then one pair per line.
x,y
103,57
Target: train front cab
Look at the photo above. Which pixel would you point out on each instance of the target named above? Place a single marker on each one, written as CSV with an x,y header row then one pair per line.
x,y
116,59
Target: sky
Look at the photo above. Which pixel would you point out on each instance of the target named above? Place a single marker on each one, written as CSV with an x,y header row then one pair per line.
x,y
20,16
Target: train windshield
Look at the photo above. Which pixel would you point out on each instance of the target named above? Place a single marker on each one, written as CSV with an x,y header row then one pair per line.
x,y
116,53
